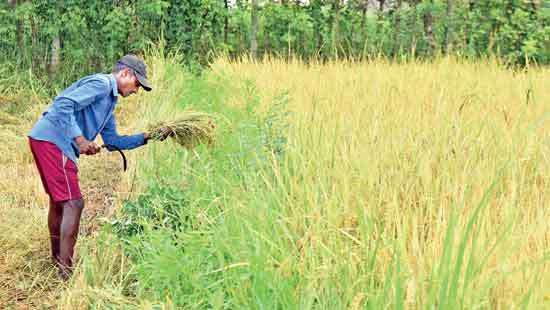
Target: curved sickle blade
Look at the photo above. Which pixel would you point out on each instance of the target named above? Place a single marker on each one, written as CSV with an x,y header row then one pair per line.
x,y
124,162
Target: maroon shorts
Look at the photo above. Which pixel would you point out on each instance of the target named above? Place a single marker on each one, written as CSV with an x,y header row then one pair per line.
x,y
59,174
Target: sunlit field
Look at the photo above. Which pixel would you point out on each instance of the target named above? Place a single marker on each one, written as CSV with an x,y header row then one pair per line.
x,y
339,185
406,184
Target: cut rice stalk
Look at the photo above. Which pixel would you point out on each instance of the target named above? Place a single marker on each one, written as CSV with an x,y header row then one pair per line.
x,y
188,129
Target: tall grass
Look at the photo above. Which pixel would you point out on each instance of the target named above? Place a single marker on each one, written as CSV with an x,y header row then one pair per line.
x,y
338,185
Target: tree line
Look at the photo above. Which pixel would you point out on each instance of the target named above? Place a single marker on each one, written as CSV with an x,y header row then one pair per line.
x,y
61,36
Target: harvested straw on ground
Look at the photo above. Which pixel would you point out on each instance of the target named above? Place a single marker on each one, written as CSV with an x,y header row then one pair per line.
x,y
187,129
6,118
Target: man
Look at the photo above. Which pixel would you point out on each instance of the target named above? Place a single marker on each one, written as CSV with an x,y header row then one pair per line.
x,y
68,129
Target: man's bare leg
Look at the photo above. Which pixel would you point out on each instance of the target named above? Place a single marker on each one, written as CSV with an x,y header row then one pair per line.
x,y
55,215
72,211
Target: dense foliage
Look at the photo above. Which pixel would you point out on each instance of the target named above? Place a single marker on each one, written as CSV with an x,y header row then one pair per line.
x,y
54,36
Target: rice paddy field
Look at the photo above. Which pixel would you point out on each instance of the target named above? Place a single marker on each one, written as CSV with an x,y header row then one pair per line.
x,y
339,185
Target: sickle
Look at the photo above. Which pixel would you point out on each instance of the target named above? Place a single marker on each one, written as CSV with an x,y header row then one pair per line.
x,y
118,150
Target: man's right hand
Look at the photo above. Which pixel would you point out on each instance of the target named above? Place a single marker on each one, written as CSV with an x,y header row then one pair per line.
x,y
87,147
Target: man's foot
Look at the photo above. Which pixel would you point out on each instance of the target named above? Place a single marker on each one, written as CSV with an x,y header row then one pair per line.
x,y
64,273
55,261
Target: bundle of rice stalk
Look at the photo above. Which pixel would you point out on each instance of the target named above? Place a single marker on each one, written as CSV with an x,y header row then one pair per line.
x,y
188,129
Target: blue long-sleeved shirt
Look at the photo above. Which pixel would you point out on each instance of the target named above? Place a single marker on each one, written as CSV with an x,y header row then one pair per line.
x,y
84,109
